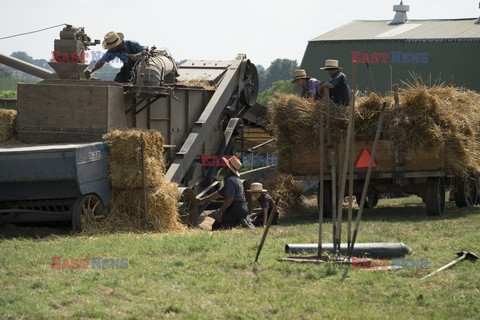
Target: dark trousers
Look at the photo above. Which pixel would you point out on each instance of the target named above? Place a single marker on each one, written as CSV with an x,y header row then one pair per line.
x,y
124,75
259,221
233,216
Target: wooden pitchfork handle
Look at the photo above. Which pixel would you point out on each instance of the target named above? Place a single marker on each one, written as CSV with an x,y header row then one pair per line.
x,y
269,223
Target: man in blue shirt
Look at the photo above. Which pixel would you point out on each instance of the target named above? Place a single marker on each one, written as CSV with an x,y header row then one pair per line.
x,y
339,90
234,209
123,50
310,86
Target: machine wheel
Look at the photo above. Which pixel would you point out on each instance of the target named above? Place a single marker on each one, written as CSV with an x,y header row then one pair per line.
x,y
86,208
466,192
327,199
187,206
370,201
248,96
435,196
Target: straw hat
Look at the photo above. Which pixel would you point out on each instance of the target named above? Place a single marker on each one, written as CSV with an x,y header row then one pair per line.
x,y
256,187
299,74
112,39
331,64
233,164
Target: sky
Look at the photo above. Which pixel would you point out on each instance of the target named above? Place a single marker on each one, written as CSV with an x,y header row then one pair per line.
x,y
207,29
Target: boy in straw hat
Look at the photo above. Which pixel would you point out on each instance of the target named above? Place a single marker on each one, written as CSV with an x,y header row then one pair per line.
x,y
339,90
310,86
266,203
234,209
125,50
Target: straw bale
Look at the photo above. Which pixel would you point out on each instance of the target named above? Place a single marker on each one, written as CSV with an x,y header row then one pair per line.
x,y
288,189
125,158
126,196
127,210
295,122
367,114
8,123
441,119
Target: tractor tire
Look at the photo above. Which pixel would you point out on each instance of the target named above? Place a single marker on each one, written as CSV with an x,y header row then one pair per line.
x,y
466,192
370,202
435,196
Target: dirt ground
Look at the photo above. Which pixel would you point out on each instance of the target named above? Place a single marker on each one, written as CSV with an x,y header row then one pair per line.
x,y
43,232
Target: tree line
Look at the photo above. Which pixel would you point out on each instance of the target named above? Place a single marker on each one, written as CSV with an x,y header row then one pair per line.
x,y
272,80
275,79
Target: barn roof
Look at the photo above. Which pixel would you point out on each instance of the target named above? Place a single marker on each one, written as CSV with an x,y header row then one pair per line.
x,y
444,30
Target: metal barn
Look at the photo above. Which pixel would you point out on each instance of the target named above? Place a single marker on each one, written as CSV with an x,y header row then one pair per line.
x,y
437,50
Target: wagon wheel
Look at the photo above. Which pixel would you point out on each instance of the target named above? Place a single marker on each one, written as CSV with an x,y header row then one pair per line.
x,y
435,196
327,199
370,201
466,192
86,208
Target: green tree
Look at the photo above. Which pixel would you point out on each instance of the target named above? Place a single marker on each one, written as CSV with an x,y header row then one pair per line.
x,y
280,86
5,73
42,63
279,69
8,94
262,77
107,72
22,55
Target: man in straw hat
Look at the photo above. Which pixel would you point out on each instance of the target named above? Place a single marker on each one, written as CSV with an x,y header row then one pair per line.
x,y
310,86
234,209
339,90
266,203
127,51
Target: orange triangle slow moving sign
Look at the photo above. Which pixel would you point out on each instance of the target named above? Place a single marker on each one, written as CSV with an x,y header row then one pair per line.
x,y
363,159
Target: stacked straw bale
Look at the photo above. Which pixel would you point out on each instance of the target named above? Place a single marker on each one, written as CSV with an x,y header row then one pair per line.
x,y
445,120
125,158
288,189
126,198
8,123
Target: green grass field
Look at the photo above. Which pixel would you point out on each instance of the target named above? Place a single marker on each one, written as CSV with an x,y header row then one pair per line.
x,y
208,275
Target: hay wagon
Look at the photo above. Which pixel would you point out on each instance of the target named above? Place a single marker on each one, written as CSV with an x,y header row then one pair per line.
x,y
393,172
